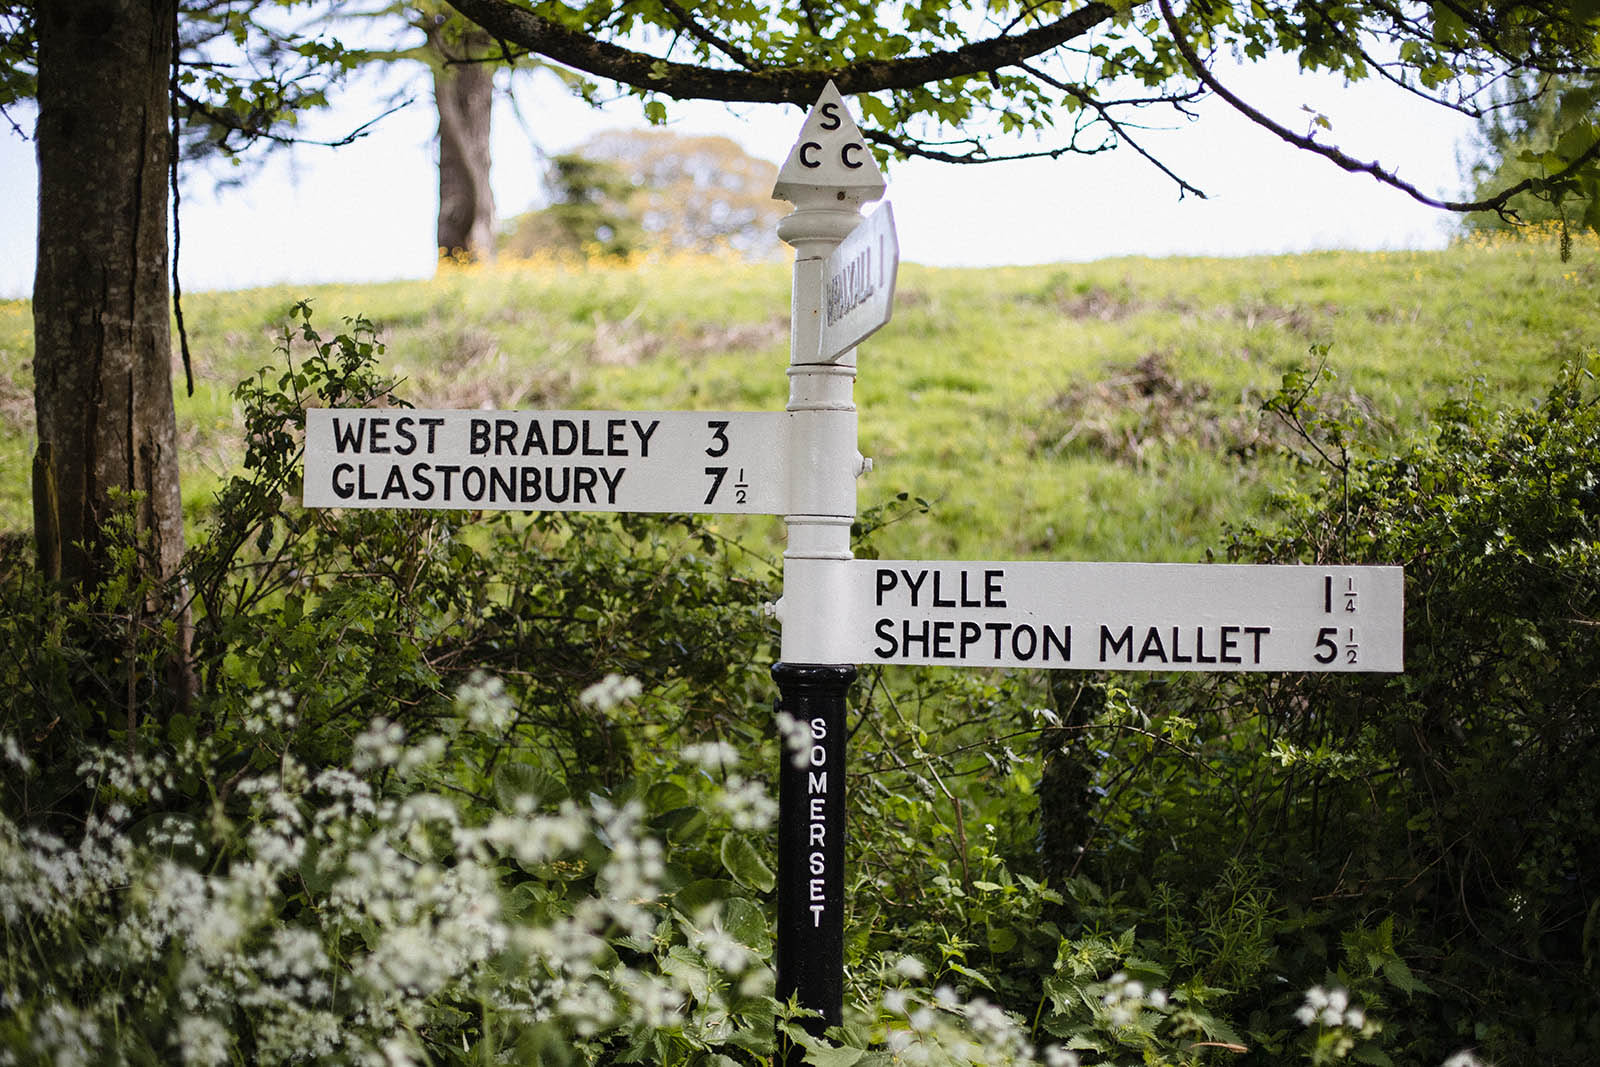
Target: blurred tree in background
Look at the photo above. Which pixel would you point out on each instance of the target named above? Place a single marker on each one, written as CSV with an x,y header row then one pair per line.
x,y
627,191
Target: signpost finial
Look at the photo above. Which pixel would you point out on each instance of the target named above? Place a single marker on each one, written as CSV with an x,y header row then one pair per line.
x,y
831,160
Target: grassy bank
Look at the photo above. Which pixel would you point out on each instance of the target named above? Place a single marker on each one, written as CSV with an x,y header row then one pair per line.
x,y
1100,410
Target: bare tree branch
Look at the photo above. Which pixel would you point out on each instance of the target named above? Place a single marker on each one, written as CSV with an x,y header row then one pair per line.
x,y
1470,111
254,131
1496,203
976,155
1078,93
700,33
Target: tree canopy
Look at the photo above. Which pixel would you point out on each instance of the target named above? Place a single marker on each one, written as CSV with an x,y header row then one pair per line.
x,y
1522,141
971,83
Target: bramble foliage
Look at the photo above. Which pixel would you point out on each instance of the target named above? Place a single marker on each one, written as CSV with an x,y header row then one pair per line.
x,y
355,846
1426,840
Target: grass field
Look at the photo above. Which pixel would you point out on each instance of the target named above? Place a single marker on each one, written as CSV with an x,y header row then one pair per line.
x,y
1101,410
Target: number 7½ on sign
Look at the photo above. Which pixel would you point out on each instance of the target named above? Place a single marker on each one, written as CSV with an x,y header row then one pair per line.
x,y
729,462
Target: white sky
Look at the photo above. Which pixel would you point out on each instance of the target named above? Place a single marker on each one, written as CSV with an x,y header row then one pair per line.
x,y
366,212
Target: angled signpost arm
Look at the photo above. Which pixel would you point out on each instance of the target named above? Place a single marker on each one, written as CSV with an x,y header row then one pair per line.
x,y
858,283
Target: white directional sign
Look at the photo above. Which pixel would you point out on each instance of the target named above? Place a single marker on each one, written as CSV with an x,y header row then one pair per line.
x,y
1127,616
660,461
858,283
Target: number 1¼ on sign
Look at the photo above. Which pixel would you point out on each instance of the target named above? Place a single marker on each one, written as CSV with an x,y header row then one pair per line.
x,y
1337,601
1346,597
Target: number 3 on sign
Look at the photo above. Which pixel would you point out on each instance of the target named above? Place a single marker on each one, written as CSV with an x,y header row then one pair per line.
x,y
719,441
718,447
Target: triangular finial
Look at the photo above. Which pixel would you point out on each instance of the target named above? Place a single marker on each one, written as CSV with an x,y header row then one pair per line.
x,y
831,160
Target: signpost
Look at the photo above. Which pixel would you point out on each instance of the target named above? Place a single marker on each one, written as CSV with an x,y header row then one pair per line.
x,y
836,611
829,174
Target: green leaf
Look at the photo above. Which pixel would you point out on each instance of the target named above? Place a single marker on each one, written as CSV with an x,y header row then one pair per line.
x,y
513,781
1400,976
746,865
686,966
666,796
681,824
828,1056
968,972
875,111
698,894
180,728
745,920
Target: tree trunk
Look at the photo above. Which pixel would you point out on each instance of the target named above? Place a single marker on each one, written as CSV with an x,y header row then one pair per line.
x,y
464,93
102,340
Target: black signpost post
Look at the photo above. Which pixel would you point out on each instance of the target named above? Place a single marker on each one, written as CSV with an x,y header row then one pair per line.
x,y
811,829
